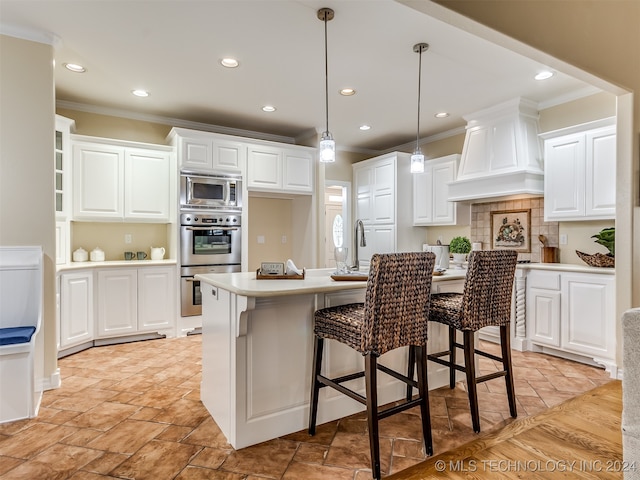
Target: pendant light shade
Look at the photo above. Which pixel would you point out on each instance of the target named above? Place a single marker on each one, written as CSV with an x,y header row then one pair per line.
x,y
417,158
327,144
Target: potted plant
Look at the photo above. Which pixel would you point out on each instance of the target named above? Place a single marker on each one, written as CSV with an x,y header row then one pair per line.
x,y
459,247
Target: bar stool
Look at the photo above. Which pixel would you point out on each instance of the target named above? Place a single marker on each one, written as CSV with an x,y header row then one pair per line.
x,y
394,314
485,301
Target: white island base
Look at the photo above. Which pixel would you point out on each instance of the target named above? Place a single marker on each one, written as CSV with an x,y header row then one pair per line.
x,y
257,347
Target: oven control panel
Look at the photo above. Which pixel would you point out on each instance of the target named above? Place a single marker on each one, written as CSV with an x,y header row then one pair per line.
x,y
209,219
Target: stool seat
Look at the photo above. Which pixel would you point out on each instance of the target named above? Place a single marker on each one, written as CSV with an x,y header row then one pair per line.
x,y
394,314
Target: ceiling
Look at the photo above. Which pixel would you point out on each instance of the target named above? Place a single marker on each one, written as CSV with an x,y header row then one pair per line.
x,y
172,49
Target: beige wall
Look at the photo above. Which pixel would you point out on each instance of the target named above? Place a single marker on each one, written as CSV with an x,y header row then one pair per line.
x,y
26,171
271,218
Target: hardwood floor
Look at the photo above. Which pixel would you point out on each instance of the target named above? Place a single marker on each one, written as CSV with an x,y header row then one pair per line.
x,y
580,438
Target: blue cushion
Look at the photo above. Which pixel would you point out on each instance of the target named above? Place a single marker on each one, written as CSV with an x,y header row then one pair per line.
x,y
13,335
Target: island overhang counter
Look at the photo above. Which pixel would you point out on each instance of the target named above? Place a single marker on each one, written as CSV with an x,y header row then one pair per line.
x,y
257,348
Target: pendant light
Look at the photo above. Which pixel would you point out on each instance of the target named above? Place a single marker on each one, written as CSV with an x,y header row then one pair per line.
x,y
327,144
417,158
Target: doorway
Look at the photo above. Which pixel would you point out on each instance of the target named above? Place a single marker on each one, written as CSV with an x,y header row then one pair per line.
x,y
337,219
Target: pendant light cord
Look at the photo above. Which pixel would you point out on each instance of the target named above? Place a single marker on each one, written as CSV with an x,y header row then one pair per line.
x,y
326,75
419,83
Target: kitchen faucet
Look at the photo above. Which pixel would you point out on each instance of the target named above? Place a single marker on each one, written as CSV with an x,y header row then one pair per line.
x,y
363,243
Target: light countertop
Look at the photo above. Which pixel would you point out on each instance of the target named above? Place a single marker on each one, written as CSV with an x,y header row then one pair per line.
x,y
567,267
113,263
315,281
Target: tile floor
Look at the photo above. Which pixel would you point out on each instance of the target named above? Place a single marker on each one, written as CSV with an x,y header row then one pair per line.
x,y
133,411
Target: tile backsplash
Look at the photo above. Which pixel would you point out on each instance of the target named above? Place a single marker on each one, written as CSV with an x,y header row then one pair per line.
x,y
481,224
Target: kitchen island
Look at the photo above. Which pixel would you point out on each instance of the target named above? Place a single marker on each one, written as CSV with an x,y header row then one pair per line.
x,y
257,349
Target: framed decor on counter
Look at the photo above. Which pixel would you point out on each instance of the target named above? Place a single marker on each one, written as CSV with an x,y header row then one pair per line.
x,y
511,230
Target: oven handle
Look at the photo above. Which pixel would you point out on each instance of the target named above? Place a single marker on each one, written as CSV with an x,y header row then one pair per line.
x,y
229,229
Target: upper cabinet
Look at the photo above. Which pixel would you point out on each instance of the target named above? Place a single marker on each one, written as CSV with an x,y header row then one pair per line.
x,y
205,152
431,191
116,181
580,172
62,162
280,169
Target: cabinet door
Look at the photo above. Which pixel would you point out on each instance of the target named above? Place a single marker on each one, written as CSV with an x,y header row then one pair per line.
x,y
588,314
443,211
117,302
423,197
448,286
298,172
363,191
76,308
543,316
600,199
62,242
156,298
98,174
195,154
264,168
228,156
564,177
147,185
384,174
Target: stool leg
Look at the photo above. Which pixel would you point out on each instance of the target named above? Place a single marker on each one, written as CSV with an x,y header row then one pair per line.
x,y
470,369
410,371
423,389
505,343
370,368
452,357
315,384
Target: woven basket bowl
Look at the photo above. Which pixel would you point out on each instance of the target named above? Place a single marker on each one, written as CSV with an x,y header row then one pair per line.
x,y
597,259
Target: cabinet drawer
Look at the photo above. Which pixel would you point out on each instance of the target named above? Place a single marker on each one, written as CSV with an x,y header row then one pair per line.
x,y
545,280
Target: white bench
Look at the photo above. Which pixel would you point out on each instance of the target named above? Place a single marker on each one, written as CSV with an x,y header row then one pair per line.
x,y
21,302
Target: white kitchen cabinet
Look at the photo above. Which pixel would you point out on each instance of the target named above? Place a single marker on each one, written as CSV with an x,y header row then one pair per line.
x,y
207,153
580,173
156,298
117,302
431,191
280,170
588,315
147,185
572,313
132,301
543,307
116,181
62,167
381,199
76,308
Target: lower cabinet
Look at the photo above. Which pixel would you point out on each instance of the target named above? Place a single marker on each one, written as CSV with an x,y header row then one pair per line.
x,y
99,303
574,313
134,300
76,308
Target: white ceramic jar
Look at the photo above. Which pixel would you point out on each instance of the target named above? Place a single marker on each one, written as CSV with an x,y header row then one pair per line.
x,y
157,253
80,255
97,255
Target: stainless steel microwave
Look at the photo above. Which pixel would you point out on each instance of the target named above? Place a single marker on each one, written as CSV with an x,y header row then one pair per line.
x,y
213,191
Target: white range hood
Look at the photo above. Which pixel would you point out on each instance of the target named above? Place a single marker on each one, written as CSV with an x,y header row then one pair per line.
x,y
502,154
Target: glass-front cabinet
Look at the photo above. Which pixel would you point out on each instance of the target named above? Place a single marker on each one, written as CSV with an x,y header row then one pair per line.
x,y
62,186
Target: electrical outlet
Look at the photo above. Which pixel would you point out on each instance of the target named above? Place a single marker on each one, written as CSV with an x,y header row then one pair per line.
x,y
563,239
128,238
284,239
260,239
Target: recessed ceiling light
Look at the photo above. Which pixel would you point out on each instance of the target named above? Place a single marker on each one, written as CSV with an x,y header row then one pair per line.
x,y
347,92
441,115
229,62
140,93
365,127
544,75
268,108
74,67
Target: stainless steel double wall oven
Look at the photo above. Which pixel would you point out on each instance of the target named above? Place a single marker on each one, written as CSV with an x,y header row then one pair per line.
x,y
210,232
